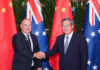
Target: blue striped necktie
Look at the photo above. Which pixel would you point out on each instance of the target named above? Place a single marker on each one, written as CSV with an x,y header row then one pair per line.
x,y
66,45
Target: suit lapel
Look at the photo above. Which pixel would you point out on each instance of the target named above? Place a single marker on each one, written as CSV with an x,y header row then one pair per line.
x,y
25,40
71,43
62,42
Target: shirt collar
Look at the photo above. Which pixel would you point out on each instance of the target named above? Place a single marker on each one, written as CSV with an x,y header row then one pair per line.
x,y
25,33
70,35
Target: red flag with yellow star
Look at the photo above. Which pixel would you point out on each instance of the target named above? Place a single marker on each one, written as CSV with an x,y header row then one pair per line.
x,y
7,30
62,10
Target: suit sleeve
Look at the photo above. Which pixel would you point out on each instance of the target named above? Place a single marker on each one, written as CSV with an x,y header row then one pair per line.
x,y
53,51
18,45
39,61
84,53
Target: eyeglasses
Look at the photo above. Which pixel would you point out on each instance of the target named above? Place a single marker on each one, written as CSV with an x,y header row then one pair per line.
x,y
66,25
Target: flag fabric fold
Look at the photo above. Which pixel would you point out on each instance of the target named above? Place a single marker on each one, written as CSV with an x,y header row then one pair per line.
x,y
34,13
7,30
91,31
62,10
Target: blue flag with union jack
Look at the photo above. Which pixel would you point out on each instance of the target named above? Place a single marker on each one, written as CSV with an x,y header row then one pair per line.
x,y
91,31
34,13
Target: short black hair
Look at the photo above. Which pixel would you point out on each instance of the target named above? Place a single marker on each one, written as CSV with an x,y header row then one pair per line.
x,y
68,20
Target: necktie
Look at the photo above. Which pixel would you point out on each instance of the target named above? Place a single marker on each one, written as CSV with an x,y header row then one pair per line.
x,y
28,40
66,45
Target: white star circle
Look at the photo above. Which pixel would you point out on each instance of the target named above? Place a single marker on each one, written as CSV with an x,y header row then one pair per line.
x,y
37,33
89,62
99,30
93,34
44,33
94,67
87,39
46,68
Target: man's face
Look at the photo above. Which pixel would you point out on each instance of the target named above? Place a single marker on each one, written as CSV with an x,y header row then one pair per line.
x,y
26,26
67,27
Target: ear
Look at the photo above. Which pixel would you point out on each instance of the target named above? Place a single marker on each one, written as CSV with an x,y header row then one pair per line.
x,y
72,26
21,26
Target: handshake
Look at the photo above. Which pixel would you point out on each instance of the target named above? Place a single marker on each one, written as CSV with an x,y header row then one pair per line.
x,y
39,55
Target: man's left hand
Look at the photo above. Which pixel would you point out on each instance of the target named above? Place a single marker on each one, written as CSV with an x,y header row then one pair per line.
x,y
39,68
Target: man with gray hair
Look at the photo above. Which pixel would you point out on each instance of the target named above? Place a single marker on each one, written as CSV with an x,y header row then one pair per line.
x,y
25,45
72,48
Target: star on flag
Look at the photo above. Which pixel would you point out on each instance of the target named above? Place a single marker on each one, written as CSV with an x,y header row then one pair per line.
x,y
63,9
69,4
3,10
89,62
87,39
37,33
10,4
44,33
46,68
55,8
99,30
93,34
94,67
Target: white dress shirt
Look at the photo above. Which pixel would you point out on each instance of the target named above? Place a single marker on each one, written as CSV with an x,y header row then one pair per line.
x,y
31,44
69,38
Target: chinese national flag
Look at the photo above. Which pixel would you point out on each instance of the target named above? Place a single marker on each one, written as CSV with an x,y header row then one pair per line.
x,y
62,10
7,30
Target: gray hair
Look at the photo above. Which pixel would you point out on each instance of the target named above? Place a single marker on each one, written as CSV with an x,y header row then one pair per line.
x,y
68,20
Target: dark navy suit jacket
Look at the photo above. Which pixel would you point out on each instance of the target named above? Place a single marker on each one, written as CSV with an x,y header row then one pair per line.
x,y
77,53
23,55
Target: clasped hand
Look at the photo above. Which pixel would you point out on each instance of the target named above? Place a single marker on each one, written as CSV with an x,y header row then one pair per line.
x,y
39,55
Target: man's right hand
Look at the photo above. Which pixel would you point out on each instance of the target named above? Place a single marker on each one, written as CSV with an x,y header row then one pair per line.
x,y
39,55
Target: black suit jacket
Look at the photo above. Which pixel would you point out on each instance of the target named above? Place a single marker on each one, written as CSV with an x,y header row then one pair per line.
x,y
23,55
77,53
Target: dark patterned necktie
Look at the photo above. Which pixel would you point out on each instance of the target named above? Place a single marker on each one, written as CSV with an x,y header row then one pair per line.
x,y
28,40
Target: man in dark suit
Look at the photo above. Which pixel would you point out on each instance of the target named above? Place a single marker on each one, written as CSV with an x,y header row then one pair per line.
x,y
72,48
25,46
